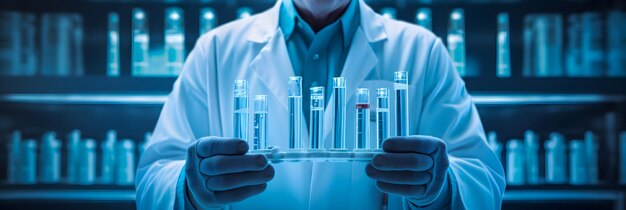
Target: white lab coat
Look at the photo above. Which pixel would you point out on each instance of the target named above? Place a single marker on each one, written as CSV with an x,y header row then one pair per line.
x,y
201,104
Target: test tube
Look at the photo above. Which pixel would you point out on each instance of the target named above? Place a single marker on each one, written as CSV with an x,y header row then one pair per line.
x,y
339,113
113,46
14,148
73,152
402,103
50,159
125,173
316,124
423,18
260,122
382,116
504,53
208,20
28,172
244,12
456,40
141,42
87,169
240,121
174,40
295,112
108,157
362,118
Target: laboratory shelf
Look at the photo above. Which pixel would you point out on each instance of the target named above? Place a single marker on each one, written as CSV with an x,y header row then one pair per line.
x,y
556,85
86,85
68,195
159,99
128,195
152,85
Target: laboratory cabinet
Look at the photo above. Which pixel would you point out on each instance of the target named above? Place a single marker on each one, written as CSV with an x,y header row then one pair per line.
x,y
84,81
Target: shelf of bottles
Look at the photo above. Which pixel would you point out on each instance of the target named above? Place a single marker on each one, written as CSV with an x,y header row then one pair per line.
x,y
39,162
591,50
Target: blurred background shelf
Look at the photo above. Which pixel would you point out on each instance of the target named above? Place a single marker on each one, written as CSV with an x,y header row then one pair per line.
x,y
69,195
129,195
159,99
162,85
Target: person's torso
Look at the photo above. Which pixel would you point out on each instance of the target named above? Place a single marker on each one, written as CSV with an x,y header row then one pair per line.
x,y
266,66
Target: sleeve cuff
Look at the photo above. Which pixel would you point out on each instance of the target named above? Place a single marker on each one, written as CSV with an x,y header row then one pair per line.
x,y
182,202
443,200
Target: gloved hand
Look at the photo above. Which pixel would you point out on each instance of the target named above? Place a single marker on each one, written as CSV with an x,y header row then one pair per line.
x,y
415,167
218,172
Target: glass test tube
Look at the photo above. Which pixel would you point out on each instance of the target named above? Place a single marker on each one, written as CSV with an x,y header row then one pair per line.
x,y
402,103
113,46
295,112
316,124
362,118
504,54
339,113
141,42
208,20
240,120
456,40
423,18
260,122
174,40
382,116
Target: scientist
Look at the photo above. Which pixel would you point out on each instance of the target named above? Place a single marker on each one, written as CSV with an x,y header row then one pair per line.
x,y
191,163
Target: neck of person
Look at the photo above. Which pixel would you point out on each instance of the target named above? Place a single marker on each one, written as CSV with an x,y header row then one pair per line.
x,y
321,13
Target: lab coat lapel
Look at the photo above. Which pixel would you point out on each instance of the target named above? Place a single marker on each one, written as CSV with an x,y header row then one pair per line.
x,y
272,67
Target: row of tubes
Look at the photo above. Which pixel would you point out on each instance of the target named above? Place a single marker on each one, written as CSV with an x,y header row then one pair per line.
x,y
316,121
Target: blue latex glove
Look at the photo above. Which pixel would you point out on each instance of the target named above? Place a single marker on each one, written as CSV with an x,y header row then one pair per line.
x,y
415,167
218,172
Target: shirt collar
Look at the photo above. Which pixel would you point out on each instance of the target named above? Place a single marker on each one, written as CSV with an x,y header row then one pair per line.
x,y
350,20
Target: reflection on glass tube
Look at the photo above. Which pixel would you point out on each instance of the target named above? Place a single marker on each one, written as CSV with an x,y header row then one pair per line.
x,y
362,118
339,113
402,103
240,120
382,116
316,124
295,112
260,122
